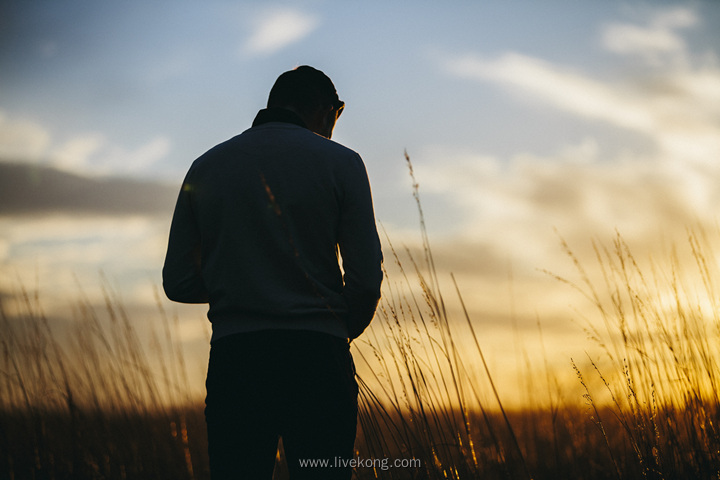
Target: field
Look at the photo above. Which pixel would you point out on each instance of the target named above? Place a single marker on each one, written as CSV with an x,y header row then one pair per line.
x,y
114,404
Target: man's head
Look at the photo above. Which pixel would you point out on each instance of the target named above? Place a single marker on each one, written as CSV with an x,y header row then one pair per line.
x,y
311,94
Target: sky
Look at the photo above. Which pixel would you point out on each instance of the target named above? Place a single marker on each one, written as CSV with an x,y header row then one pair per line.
x,y
526,123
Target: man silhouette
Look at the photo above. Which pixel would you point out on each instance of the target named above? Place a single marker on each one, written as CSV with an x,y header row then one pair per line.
x,y
275,229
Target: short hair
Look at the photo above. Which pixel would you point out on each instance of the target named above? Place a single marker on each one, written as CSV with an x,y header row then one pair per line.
x,y
305,89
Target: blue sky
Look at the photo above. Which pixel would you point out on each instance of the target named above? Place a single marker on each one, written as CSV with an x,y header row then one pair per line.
x,y
524,120
193,74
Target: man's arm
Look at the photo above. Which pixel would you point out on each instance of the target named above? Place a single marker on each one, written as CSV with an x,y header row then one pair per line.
x,y
182,280
361,252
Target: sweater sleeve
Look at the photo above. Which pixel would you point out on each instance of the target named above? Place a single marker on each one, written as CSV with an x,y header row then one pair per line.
x,y
182,280
360,250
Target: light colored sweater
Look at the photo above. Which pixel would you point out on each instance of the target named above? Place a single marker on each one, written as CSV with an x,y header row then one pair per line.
x,y
256,232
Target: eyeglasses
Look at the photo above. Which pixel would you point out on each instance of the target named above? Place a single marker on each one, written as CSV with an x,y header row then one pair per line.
x,y
339,106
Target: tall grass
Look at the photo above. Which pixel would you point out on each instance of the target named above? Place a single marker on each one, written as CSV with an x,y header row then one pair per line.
x,y
658,359
107,404
423,403
650,409
114,403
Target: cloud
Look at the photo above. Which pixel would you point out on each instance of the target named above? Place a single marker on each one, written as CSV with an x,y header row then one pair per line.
x,y
561,88
93,154
677,109
90,153
119,160
21,139
578,190
63,253
74,154
513,212
514,208
39,190
654,41
278,29
631,39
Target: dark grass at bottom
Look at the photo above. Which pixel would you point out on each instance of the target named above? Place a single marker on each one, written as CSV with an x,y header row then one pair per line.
x,y
171,444
93,444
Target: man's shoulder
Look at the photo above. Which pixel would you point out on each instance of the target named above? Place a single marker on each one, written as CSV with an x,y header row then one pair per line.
x,y
335,147
278,138
299,137
223,148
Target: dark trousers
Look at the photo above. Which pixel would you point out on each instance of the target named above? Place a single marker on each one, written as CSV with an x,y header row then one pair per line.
x,y
296,384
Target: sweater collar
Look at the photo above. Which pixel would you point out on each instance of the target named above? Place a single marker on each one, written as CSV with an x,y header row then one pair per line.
x,y
275,114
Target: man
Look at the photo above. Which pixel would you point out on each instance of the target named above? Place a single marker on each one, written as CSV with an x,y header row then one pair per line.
x,y
256,232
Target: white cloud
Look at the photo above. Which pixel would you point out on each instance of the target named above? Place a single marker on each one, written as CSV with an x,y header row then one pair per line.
x,y
74,154
623,38
559,87
675,18
654,42
93,154
513,205
64,251
85,153
22,139
678,110
278,29
119,160
514,210
577,190
672,102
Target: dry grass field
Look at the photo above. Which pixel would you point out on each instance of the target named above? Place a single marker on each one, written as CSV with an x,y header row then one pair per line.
x,y
114,404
